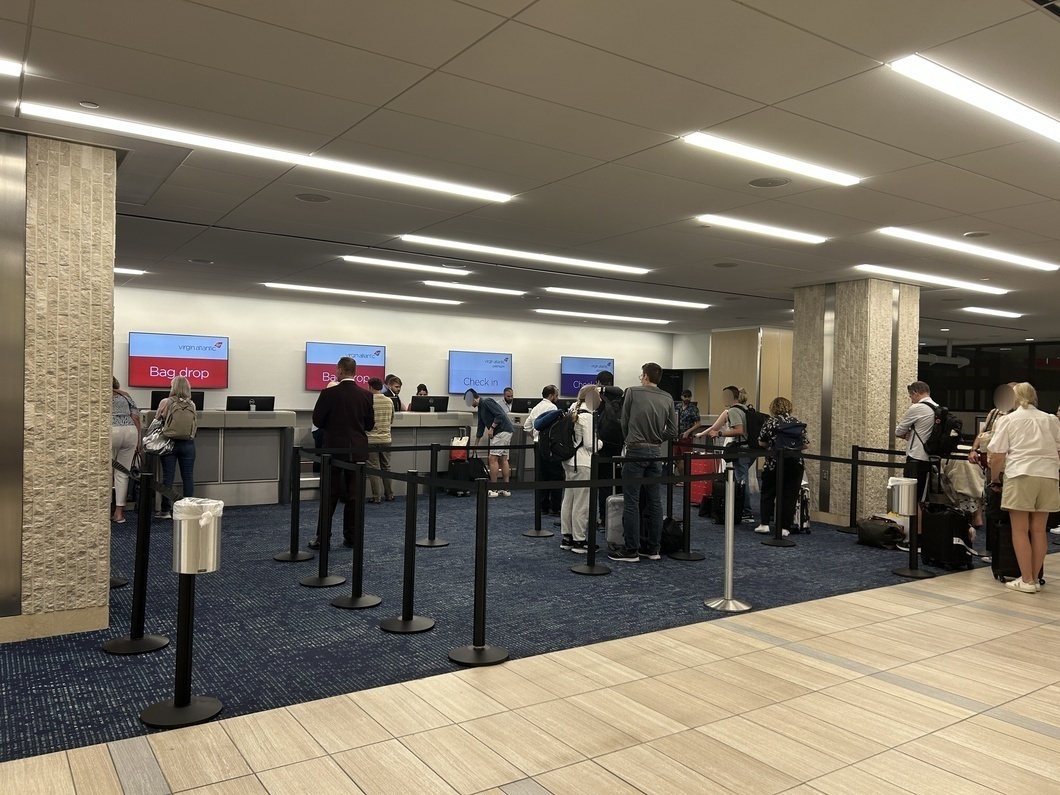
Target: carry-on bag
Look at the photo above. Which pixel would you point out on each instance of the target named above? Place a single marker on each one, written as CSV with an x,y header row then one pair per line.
x,y
613,510
944,538
874,531
717,505
702,465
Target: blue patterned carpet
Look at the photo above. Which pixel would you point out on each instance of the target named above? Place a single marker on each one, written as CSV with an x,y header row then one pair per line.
x,y
263,641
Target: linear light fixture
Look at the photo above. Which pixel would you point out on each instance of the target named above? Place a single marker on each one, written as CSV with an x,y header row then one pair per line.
x,y
511,252
590,316
129,272
10,68
968,248
982,310
359,293
926,278
960,87
476,288
251,150
640,299
761,229
412,266
727,147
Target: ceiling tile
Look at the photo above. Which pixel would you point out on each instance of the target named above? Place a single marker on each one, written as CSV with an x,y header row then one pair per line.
x,y
1034,165
952,188
1042,218
666,246
859,202
494,232
507,8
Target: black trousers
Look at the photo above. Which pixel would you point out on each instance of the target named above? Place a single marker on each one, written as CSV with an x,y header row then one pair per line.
x,y
551,499
342,484
789,494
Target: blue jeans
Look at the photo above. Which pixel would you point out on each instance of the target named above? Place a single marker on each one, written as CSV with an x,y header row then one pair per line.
x,y
184,454
631,499
740,467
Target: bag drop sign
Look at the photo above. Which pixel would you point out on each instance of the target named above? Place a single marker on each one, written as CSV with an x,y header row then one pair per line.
x,y
156,359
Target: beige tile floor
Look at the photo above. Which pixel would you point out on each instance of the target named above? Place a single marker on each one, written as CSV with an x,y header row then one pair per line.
x,y
950,685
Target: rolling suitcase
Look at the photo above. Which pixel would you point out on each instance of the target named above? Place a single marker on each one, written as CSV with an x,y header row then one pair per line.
x,y
1003,563
615,537
460,473
717,505
944,538
702,465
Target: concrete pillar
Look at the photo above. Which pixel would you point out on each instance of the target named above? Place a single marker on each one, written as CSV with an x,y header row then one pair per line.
x,y
62,541
855,351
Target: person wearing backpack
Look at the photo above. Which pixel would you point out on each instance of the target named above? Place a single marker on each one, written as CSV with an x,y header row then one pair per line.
x,y
915,427
574,513
783,433
609,432
544,470
736,432
179,423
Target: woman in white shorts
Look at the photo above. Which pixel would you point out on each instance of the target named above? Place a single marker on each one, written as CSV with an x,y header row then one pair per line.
x,y
1026,445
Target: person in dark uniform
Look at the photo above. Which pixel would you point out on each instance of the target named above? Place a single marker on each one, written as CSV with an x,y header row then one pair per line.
x,y
346,414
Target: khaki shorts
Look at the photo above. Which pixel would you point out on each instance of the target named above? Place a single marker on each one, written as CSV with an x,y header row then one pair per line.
x,y
1031,493
499,444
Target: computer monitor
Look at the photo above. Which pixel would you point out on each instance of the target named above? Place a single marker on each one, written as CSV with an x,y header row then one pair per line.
x,y
524,405
158,395
244,403
564,404
429,403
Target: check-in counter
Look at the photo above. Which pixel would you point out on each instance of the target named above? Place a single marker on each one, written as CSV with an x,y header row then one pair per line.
x,y
241,457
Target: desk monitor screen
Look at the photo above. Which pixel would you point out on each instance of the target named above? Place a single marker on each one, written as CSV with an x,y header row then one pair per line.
x,y
576,371
486,373
564,404
158,395
524,405
155,359
250,403
429,403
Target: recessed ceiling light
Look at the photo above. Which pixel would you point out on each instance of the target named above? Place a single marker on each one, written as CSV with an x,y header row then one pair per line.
x,y
980,310
1028,339
960,87
1004,349
783,162
359,293
726,264
410,266
475,288
923,343
769,182
10,68
590,316
977,234
129,271
530,255
968,248
761,229
945,281
87,104
312,198
251,150
201,261
943,329
641,299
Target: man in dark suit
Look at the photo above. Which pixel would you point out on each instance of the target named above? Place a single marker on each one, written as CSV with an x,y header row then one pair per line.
x,y
345,413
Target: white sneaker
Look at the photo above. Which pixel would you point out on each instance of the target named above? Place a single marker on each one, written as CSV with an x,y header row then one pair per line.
x,y
1023,587
494,494
505,493
784,532
763,529
1055,531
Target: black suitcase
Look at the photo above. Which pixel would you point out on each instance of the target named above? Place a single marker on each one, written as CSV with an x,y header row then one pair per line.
x,y
944,538
460,474
717,504
1003,563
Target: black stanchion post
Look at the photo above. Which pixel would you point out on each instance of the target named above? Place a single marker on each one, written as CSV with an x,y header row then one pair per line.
x,y
913,571
686,553
407,623
136,642
322,579
855,454
537,532
295,554
183,709
432,539
671,470
358,600
590,567
778,539
479,653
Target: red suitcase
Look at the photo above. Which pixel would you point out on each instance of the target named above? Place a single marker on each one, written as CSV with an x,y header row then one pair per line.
x,y
702,465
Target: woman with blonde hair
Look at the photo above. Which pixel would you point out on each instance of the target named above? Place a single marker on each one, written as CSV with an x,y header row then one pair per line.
x,y
574,511
1027,447
183,452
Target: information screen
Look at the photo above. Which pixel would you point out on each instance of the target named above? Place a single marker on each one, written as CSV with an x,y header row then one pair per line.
x,y
156,359
321,357
486,373
576,371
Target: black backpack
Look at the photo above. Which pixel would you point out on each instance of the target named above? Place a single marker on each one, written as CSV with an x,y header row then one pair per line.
x,y
609,419
790,434
945,433
752,428
555,436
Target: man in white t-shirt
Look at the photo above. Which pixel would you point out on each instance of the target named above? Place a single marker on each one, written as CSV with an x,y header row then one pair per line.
x,y
544,471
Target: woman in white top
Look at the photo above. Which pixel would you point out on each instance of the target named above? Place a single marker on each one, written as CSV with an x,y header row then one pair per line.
x,y
574,511
1027,447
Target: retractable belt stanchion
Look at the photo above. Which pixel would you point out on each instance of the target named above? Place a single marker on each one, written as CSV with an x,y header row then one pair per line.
x,y
727,604
908,507
537,531
295,554
117,582
407,623
855,452
322,579
479,653
358,600
432,539
671,470
778,539
686,553
136,642
590,567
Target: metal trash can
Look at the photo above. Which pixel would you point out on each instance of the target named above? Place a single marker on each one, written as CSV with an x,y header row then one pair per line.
x,y
197,535
901,496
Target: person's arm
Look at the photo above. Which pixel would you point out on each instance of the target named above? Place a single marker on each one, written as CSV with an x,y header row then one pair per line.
x,y
627,402
906,423
997,465
713,429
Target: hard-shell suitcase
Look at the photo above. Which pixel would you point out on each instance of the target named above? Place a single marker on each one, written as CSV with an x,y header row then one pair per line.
x,y
944,538
1003,563
800,522
460,473
702,465
717,504
614,506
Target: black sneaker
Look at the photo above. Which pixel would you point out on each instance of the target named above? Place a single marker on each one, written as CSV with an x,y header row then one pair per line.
x,y
314,544
580,547
624,556
566,542
747,517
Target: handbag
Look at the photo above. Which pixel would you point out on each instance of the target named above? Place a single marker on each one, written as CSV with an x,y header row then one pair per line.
x,y
155,442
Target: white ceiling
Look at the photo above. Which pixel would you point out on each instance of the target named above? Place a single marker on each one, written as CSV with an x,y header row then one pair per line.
x,y
576,107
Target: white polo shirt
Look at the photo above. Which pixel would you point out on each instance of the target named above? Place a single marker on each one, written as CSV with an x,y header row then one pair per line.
x,y
1030,440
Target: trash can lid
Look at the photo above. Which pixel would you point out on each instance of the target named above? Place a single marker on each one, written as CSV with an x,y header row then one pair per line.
x,y
900,482
197,508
